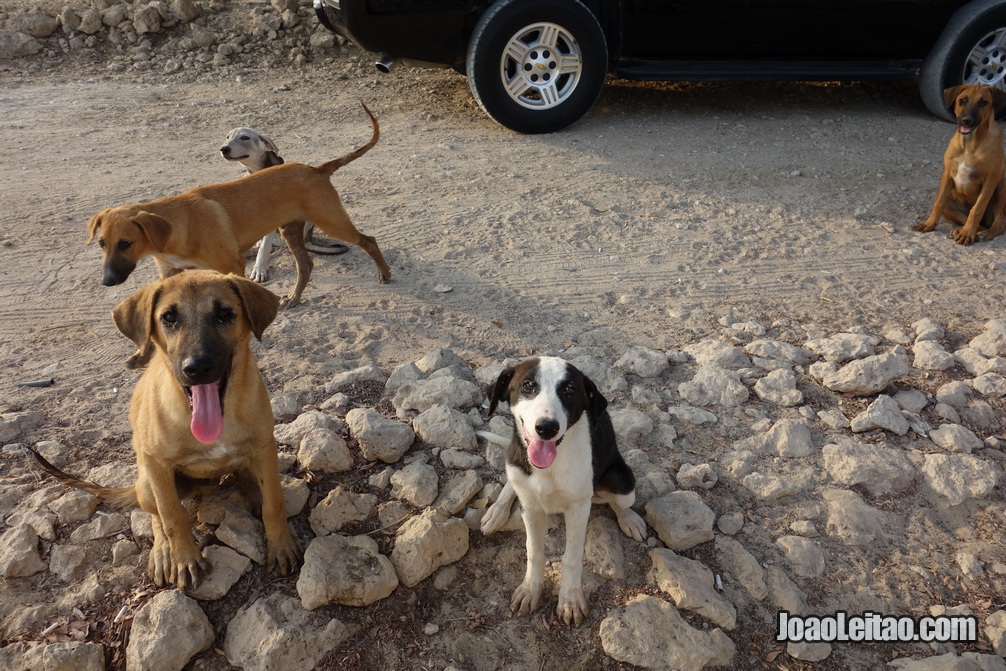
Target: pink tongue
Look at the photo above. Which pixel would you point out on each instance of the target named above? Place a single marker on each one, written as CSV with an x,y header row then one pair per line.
x,y
541,453
207,417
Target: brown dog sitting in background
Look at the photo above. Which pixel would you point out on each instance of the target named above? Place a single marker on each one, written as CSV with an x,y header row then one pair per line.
x,y
972,192
212,227
200,411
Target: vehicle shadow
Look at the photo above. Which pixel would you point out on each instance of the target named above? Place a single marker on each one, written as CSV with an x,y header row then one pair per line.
x,y
621,98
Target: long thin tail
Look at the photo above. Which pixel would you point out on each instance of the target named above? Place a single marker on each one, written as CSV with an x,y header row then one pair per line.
x,y
117,497
494,438
329,167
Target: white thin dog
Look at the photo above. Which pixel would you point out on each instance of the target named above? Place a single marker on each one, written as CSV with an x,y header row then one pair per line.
x,y
256,151
561,458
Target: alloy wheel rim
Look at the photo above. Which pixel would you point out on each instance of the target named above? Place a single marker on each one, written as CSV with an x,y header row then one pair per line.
x,y
986,64
541,66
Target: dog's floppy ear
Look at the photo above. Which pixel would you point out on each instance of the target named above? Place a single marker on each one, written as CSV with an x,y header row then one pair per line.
x,y
998,98
596,402
259,304
950,96
500,390
134,317
94,226
269,144
155,227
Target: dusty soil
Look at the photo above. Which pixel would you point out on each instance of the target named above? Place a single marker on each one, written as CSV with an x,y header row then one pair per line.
x,y
667,208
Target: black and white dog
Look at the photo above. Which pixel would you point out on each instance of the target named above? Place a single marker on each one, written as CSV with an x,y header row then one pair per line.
x,y
562,457
255,151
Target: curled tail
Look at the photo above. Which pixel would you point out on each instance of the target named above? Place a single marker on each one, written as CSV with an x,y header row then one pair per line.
x,y
117,497
329,167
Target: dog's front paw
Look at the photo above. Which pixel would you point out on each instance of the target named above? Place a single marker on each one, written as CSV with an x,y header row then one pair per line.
x,y
259,275
632,525
572,606
159,564
185,572
283,555
189,573
288,302
526,598
963,235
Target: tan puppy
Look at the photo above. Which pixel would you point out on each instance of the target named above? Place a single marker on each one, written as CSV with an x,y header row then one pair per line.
x,y
199,411
213,226
972,191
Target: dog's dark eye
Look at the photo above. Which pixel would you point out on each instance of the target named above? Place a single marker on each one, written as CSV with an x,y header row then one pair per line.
x,y
962,101
169,319
124,245
101,243
983,103
224,316
529,387
568,389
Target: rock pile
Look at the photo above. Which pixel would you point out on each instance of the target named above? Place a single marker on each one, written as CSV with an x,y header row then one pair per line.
x,y
846,439
168,37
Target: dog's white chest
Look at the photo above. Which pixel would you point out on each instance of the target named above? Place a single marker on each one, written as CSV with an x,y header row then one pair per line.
x,y
964,176
545,493
566,484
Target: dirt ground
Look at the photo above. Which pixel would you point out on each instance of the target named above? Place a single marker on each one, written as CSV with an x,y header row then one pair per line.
x,y
666,209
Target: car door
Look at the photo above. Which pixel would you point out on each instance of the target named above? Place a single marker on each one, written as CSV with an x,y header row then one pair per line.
x,y
781,30
683,29
848,29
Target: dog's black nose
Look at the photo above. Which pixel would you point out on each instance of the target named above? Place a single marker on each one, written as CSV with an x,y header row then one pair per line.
x,y
546,428
225,150
110,278
196,368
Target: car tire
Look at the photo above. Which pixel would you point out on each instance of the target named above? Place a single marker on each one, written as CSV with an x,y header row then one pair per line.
x,y
536,67
971,49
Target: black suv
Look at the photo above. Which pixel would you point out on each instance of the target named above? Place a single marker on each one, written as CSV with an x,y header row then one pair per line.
x,y
538,65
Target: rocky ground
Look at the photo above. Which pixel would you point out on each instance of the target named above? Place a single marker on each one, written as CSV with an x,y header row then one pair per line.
x,y
810,395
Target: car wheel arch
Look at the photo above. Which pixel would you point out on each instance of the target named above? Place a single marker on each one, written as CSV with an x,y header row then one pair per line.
x,y
943,66
607,12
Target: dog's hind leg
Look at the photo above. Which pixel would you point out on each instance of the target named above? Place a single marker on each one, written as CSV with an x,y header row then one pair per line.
x,y
499,512
617,488
992,225
629,521
333,219
293,235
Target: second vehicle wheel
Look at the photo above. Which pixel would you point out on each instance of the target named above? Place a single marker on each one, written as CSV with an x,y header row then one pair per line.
x,y
971,50
536,67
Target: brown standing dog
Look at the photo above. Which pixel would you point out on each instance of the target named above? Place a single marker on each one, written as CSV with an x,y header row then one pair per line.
x,y
972,192
212,227
199,411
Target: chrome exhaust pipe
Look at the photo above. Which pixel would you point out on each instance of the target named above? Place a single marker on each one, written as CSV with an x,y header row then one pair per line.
x,y
385,63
